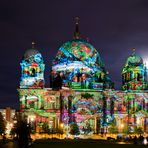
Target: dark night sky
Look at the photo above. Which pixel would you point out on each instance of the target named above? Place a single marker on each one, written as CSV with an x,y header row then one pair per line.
x,y
114,27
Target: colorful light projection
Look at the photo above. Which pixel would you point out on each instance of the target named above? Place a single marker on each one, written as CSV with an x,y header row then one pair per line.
x,y
132,103
88,110
42,103
39,99
83,109
134,74
64,106
79,65
130,109
32,74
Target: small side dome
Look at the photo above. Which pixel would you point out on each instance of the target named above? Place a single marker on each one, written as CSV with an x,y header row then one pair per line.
x,y
30,52
32,69
33,55
134,59
134,75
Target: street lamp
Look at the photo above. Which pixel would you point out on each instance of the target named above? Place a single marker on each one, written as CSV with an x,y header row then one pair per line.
x,y
145,141
61,125
61,128
32,119
122,126
32,122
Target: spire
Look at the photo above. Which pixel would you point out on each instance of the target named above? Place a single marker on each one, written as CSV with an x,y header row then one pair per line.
x,y
145,64
87,39
33,44
134,51
77,32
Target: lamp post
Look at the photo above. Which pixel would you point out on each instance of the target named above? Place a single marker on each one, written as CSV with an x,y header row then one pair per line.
x,y
32,122
121,127
61,129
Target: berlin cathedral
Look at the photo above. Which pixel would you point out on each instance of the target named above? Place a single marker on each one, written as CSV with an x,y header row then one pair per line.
x,y
81,94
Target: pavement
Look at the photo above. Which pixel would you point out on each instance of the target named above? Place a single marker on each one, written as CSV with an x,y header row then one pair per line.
x,y
9,144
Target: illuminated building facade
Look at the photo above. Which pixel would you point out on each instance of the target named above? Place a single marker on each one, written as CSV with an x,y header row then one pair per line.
x,y
82,94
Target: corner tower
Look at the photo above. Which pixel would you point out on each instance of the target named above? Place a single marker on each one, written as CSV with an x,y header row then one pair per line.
x,y
32,69
134,73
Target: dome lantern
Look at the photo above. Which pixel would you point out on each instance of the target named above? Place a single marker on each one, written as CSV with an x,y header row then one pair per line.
x,y
33,45
77,31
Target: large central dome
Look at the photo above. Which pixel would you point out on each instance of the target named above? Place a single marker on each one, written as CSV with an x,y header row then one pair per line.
x,y
78,62
78,50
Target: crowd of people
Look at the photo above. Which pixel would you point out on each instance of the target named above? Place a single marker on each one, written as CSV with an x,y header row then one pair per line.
x,y
134,139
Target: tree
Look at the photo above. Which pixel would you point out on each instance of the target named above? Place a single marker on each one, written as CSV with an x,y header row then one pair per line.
x,y
13,131
22,130
139,130
74,129
45,128
23,134
113,127
2,124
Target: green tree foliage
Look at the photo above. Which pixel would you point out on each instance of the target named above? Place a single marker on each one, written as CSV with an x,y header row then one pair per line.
x,y
139,130
13,131
45,128
113,127
2,124
74,129
22,130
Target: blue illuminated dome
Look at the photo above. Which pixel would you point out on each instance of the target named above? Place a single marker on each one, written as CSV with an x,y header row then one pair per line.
x,y
32,69
30,52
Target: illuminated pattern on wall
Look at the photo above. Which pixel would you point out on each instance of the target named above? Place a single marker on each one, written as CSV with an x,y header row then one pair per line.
x,y
134,75
32,74
91,111
44,104
130,109
79,65
68,107
82,108
86,106
87,103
